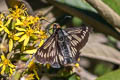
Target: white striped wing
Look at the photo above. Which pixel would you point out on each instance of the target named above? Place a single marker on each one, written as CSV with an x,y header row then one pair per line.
x,y
78,37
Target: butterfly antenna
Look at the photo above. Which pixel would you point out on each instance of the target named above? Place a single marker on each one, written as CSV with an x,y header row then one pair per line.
x,y
64,19
46,21
48,27
67,17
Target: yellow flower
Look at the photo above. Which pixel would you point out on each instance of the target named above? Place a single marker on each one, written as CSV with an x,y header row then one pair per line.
x,y
77,65
3,27
2,16
48,66
17,13
32,67
4,24
29,77
22,22
27,21
26,34
78,59
42,36
32,19
6,63
12,37
30,51
41,43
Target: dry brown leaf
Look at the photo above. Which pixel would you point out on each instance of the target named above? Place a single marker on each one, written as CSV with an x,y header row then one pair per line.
x,y
3,6
118,44
97,37
102,52
45,78
84,74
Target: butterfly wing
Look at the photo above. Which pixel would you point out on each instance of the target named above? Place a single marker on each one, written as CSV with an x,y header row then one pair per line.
x,y
78,37
49,52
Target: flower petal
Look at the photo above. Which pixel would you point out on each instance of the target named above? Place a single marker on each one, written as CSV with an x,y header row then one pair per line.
x,y
77,65
23,38
30,51
3,57
20,29
10,45
8,22
41,43
6,30
36,74
3,69
1,29
19,33
11,65
30,77
11,71
1,64
18,22
16,38
37,32
26,40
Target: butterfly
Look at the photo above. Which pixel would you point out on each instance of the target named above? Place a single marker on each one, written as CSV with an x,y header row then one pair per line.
x,y
63,46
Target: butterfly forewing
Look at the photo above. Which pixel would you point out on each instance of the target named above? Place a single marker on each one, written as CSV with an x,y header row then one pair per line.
x,y
78,37
47,53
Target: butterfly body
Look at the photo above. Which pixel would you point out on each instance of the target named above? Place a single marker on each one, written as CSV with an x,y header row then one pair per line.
x,y
63,46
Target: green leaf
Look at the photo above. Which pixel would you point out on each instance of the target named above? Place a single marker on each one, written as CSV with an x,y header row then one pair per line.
x,y
115,75
114,4
79,4
74,77
102,68
13,25
87,15
76,21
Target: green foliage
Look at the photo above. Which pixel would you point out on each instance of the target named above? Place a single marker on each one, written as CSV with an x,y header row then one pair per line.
x,y
101,69
115,75
79,4
114,4
74,77
76,21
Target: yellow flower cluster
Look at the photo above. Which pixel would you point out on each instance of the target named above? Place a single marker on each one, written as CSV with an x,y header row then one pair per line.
x,y
21,27
6,64
22,31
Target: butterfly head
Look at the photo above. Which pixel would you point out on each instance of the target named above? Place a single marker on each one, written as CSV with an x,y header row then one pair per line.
x,y
55,27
